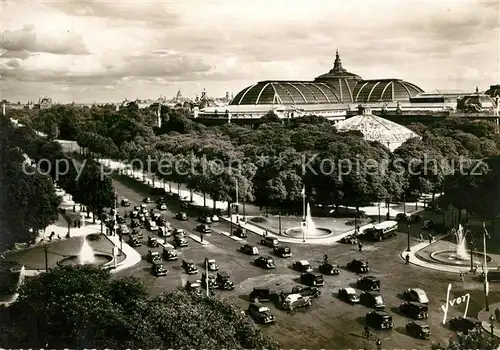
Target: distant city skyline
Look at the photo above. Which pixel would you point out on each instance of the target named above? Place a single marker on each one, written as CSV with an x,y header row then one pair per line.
x,y
108,51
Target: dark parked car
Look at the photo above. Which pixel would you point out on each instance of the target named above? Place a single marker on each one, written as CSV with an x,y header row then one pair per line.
x,y
204,228
211,265
158,269
134,242
358,266
125,202
414,310
205,220
189,266
137,234
180,242
270,242
179,233
224,281
147,200
418,329
120,219
465,324
284,252
312,279
302,266
416,294
153,242
240,232
351,239
379,320
349,295
262,294
312,292
265,262
372,299
260,313
328,268
169,254
212,283
135,224
181,216
249,249
153,256
368,283
194,287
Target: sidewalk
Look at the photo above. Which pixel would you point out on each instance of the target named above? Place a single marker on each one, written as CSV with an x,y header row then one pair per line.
x,y
484,317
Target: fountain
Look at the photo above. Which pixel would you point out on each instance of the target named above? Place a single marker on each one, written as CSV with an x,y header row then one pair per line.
x,y
461,252
308,228
87,255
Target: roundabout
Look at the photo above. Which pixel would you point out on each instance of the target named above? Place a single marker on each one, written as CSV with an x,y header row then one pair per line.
x,y
311,233
100,259
449,257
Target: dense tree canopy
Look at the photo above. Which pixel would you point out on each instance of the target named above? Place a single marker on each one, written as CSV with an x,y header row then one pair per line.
x,y
82,307
471,340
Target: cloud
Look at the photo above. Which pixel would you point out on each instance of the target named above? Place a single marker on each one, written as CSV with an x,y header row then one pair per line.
x,y
13,64
21,41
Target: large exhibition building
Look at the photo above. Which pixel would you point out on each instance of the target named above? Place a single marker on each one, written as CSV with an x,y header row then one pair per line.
x,y
333,95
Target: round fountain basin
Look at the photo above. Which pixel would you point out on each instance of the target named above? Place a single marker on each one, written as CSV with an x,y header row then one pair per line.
x,y
100,259
318,232
450,257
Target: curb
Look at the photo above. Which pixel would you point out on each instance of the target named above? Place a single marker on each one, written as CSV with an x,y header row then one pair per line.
x,y
227,234
198,239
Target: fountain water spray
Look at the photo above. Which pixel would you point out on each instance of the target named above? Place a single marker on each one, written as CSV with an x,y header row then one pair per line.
x,y
86,254
310,225
461,243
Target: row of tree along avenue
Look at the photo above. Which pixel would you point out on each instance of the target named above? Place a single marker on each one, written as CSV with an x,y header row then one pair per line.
x,y
273,162
29,202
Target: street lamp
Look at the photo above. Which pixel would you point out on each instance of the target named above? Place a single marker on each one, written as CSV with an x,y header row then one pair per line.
x,y
279,220
492,325
378,204
409,229
486,286
469,233
46,250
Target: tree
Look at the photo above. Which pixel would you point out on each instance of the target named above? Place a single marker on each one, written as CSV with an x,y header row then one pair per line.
x,y
471,340
82,307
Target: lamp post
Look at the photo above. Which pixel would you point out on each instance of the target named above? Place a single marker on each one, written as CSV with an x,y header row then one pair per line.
x,y
492,325
409,229
279,223
486,286
471,255
45,249
378,204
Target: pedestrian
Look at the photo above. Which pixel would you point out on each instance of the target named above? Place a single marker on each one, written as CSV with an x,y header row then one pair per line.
x,y
379,344
325,258
420,238
497,314
407,258
201,237
462,277
430,238
360,246
79,223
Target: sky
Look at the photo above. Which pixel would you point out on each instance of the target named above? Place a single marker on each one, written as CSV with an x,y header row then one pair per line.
x,y
106,51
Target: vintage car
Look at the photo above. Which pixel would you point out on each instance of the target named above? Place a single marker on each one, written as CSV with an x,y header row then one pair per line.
x,y
265,262
224,281
134,214
180,242
294,301
169,254
181,216
151,225
125,202
179,233
379,320
215,218
205,219
283,252
351,239
153,242
146,200
135,223
189,266
212,283
416,294
249,249
263,294
134,242
348,295
465,324
368,283
123,230
158,269
120,219
164,231
418,329
137,234
312,292
161,221
328,268
260,313
414,310
270,242
359,266
211,264
372,299
302,266
240,232
427,224
204,228
153,256
194,287
161,206
312,279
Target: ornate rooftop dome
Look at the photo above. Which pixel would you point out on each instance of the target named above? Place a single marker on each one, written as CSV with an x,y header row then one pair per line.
x,y
385,90
338,72
287,92
373,128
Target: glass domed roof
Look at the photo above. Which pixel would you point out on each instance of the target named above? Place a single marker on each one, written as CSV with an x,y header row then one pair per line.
x,y
385,90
